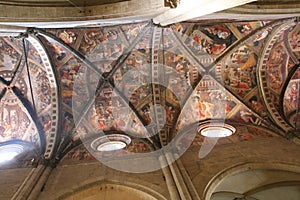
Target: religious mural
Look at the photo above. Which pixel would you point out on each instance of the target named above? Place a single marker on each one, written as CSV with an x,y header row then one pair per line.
x,y
294,41
239,72
276,67
206,42
209,100
133,30
15,120
291,102
67,36
9,56
181,71
110,112
106,78
245,28
103,46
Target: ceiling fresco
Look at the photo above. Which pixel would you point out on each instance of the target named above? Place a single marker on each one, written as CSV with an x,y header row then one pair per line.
x,y
138,79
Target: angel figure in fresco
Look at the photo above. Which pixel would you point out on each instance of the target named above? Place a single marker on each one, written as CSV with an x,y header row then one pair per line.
x,y
133,32
275,79
90,39
67,124
214,49
196,42
170,114
101,123
59,52
219,31
208,109
256,104
67,36
245,28
261,36
294,96
246,116
94,117
200,109
147,115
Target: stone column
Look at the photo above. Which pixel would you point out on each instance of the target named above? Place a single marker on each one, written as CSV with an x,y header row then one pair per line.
x,y
169,179
40,183
192,190
32,185
179,181
29,183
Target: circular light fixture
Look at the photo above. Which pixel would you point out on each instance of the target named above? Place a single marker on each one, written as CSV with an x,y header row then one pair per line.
x,y
216,130
111,146
9,151
111,142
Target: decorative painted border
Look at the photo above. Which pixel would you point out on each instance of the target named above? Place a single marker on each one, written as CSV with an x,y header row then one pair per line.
x,y
51,139
262,74
159,113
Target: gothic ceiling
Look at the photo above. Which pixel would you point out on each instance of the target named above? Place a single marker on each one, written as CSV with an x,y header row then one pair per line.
x,y
62,87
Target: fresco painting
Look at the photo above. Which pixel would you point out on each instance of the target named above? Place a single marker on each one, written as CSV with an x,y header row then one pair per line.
x,y
110,112
41,89
168,41
276,67
9,56
138,146
255,103
292,96
41,92
79,153
69,37
39,80
67,123
259,39
294,40
180,28
132,77
291,101
15,121
209,41
147,113
245,115
207,101
245,28
239,73
34,56
133,30
72,73
182,72
103,46
59,53
187,51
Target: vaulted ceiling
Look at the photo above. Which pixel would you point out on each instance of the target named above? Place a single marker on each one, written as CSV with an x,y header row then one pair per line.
x,y
64,87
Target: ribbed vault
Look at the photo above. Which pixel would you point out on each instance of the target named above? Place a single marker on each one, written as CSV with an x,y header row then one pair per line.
x,y
69,86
